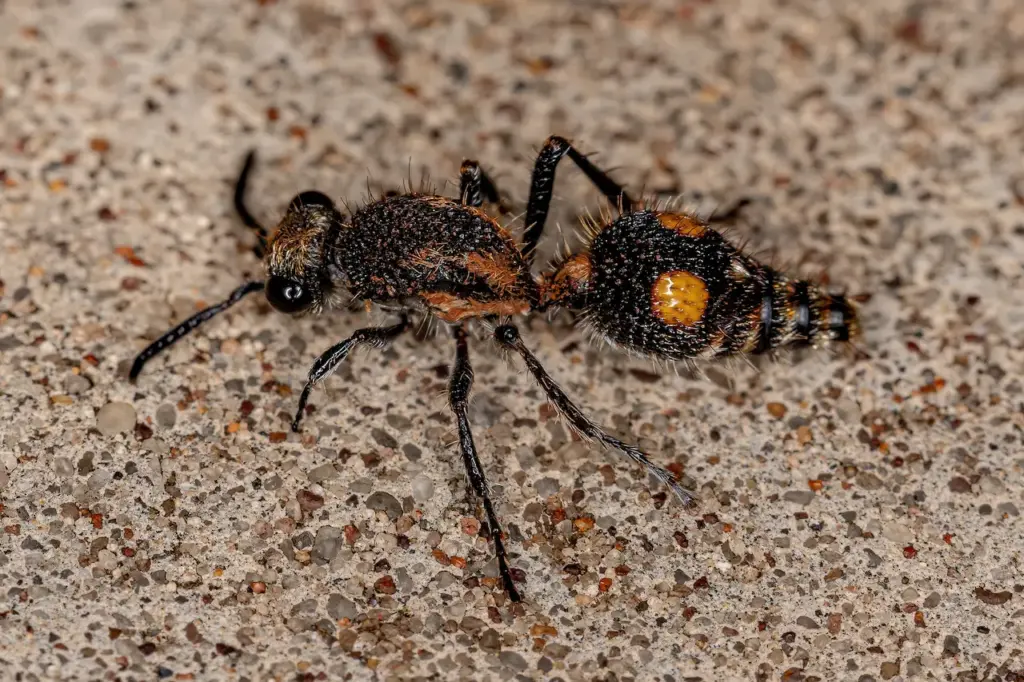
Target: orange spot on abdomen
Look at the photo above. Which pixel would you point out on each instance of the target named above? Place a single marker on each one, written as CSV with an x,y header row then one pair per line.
x,y
687,226
679,298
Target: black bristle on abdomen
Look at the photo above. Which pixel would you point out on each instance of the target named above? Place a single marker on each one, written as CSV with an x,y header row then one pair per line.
x,y
668,285
764,339
801,313
805,315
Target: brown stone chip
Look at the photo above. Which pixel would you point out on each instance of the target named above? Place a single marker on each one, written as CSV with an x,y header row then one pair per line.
x,y
990,597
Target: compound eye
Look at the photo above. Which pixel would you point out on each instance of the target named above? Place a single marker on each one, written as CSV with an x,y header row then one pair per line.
x,y
311,198
287,295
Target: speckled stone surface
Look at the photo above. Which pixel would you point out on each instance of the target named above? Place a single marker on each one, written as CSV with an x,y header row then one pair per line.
x,y
861,517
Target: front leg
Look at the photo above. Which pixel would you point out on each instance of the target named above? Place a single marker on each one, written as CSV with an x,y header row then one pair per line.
x,y
377,337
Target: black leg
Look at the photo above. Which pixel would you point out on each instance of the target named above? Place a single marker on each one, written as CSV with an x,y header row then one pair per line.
x,y
458,396
376,337
543,183
732,212
508,336
475,186
243,212
190,324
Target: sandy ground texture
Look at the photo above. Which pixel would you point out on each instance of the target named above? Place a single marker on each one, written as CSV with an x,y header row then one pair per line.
x,y
860,518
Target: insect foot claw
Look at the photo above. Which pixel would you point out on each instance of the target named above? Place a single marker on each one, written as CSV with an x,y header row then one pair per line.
x,y
688,498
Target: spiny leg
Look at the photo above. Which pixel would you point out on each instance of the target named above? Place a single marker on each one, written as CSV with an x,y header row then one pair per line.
x,y
543,183
190,325
459,385
732,212
475,186
243,212
376,337
508,336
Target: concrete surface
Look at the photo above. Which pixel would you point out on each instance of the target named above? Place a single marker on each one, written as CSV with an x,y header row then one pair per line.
x,y
861,518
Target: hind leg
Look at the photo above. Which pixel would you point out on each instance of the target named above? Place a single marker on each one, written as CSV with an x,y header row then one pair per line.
x,y
508,336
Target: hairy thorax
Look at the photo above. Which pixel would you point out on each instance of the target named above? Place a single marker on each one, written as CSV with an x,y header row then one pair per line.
x,y
434,253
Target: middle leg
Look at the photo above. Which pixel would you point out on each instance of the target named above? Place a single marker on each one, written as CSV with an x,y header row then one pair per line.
x,y
458,396
542,186
475,186
543,182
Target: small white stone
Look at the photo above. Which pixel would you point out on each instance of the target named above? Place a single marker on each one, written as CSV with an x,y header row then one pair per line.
x,y
898,533
115,418
422,489
990,485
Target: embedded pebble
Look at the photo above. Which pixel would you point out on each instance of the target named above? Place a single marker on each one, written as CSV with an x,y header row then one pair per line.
x,y
959,484
1008,508
62,466
309,501
556,651
422,488
76,384
471,624
802,497
950,645
324,472
85,464
807,622
490,640
339,607
386,502
869,481
383,438
115,418
897,533
991,597
546,487
990,485
848,411
327,544
236,386
100,479
166,415
526,457
513,660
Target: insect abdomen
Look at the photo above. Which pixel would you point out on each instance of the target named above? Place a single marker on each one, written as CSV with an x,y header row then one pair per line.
x,y
666,284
